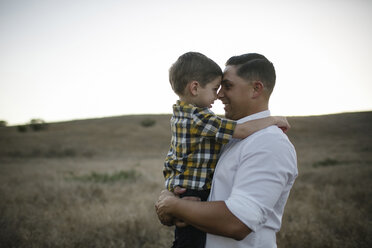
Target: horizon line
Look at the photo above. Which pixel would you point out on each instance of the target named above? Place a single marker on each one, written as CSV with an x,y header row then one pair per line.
x,y
163,113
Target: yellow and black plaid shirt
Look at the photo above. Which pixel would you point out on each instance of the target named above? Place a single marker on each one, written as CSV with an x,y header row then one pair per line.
x,y
197,137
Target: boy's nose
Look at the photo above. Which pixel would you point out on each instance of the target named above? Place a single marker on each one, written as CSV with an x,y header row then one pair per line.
x,y
220,94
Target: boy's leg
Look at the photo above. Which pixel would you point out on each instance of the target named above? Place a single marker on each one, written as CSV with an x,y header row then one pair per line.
x,y
189,236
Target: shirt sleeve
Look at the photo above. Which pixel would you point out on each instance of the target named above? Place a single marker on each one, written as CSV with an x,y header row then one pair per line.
x,y
261,179
207,124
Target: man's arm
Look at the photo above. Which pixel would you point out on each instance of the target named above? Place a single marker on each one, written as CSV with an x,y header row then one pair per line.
x,y
258,184
212,217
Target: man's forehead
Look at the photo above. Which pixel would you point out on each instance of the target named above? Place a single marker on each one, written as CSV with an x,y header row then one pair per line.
x,y
230,69
228,72
224,81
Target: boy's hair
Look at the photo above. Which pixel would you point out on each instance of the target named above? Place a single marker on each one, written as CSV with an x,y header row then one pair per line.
x,y
254,66
192,66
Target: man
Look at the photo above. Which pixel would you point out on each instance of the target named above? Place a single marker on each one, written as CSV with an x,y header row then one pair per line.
x,y
253,176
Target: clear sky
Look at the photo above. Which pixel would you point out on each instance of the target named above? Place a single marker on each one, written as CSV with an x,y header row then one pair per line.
x,y
76,59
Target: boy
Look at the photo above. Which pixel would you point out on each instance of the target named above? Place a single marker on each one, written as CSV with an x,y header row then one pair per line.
x,y
198,134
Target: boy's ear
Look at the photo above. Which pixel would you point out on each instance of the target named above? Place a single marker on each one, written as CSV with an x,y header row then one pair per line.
x,y
193,88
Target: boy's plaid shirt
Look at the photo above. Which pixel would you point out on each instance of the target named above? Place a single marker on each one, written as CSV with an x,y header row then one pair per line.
x,y
197,137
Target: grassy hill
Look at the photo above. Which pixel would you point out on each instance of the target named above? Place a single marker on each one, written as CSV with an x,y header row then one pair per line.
x,y
93,183
113,136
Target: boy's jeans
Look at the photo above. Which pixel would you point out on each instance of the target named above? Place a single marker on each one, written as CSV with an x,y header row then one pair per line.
x,y
189,236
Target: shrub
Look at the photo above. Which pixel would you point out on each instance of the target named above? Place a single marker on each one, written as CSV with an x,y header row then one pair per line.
x,y
3,123
38,124
108,178
148,123
326,162
22,128
69,152
58,153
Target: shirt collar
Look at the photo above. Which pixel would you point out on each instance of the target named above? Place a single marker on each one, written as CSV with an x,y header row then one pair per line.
x,y
255,116
183,104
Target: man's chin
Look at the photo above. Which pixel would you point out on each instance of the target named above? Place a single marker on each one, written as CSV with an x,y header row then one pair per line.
x,y
231,116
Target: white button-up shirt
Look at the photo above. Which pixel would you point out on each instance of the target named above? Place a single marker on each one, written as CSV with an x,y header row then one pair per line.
x,y
254,176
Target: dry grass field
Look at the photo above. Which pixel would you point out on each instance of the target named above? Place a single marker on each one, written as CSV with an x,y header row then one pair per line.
x,y
93,183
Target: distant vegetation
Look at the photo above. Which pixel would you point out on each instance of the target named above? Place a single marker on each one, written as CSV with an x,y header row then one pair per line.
x,y
38,124
34,125
326,162
96,177
22,128
49,153
3,123
148,122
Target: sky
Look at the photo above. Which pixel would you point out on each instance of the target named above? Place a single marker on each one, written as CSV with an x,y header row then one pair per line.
x,y
75,59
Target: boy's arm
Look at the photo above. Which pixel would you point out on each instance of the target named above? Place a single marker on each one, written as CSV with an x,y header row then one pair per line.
x,y
245,129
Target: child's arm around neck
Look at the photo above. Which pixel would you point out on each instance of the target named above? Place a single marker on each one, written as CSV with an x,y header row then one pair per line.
x,y
246,129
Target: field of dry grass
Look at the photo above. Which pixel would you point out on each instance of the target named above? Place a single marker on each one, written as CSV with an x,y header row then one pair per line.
x,y
93,183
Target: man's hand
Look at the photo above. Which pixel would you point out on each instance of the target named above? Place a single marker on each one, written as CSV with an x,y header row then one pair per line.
x,y
163,206
164,217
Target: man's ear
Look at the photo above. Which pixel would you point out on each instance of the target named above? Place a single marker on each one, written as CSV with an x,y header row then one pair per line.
x,y
258,88
193,88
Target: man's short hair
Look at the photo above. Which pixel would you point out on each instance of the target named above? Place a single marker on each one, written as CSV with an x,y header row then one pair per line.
x,y
254,66
192,66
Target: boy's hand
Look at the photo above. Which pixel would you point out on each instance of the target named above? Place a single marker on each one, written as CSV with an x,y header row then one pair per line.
x,y
179,191
282,123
